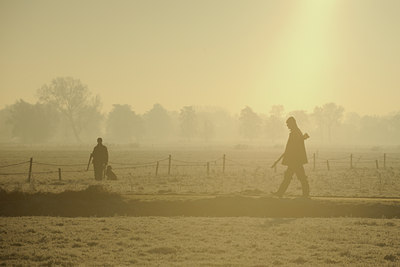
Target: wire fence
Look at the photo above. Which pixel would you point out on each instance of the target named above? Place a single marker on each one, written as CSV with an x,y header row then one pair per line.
x,y
330,173
223,163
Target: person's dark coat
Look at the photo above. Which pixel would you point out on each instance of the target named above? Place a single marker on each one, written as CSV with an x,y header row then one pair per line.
x,y
295,152
100,155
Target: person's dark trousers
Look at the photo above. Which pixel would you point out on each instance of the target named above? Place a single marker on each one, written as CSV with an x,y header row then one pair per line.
x,y
98,171
300,174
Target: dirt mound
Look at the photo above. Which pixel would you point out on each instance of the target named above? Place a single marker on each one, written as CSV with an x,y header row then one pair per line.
x,y
93,201
98,201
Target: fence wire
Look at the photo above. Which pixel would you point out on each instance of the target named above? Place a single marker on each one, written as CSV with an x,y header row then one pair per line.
x,y
58,165
14,164
225,163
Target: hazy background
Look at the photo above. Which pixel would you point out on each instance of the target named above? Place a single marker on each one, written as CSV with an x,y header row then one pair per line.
x,y
221,71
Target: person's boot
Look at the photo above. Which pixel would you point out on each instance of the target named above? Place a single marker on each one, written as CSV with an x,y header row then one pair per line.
x,y
305,187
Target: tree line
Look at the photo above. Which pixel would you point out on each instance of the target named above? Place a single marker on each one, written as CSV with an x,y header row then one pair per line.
x,y
66,111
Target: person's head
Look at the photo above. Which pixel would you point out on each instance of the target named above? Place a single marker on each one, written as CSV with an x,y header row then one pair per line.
x,y
291,123
99,140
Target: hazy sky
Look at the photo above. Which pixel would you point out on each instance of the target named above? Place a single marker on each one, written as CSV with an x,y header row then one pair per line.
x,y
219,53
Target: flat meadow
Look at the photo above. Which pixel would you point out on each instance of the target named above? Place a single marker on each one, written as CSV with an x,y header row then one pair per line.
x,y
181,240
202,171
199,241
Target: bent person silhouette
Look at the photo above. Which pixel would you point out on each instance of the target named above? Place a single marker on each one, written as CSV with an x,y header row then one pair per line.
x,y
294,158
100,159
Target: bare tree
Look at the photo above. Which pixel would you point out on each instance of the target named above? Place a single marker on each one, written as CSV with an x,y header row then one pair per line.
x,y
74,100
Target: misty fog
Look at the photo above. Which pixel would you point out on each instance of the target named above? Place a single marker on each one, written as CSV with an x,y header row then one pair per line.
x,y
66,112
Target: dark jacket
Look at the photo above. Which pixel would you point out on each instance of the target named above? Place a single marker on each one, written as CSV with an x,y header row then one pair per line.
x,y
295,152
100,155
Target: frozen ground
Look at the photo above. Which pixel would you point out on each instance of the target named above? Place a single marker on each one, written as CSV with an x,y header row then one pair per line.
x,y
208,239
189,241
245,171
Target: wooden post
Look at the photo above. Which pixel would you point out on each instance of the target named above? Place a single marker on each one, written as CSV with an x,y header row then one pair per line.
x,y
59,174
208,168
169,164
377,165
314,162
158,163
30,170
351,161
223,163
384,160
327,165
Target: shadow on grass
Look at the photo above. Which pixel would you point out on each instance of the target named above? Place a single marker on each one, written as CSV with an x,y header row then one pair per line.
x,y
98,201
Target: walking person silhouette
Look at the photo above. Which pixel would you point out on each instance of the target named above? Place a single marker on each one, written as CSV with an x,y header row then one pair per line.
x,y
294,158
100,159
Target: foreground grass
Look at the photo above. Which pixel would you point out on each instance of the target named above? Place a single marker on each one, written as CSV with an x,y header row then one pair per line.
x,y
189,241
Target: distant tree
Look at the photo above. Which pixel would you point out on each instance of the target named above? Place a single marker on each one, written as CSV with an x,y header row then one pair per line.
x,y
207,130
249,123
33,123
328,116
275,123
319,120
158,123
351,128
277,111
373,130
216,123
188,122
74,100
123,124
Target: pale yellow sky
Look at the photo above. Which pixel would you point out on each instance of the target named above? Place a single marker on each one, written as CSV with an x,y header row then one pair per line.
x,y
221,53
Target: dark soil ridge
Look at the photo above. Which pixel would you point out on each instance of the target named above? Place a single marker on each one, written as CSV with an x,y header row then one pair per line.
x,y
97,201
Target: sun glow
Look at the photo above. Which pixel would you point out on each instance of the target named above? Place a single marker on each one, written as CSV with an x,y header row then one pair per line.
x,y
304,57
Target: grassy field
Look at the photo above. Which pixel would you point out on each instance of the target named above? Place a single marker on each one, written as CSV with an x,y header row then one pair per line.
x,y
245,171
188,241
197,217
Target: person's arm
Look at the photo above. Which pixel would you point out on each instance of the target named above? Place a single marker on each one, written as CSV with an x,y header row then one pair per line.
x,y
277,161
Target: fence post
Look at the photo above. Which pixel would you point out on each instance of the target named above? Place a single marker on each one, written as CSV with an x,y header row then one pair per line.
x,y
208,168
384,160
327,165
377,165
169,164
59,174
223,163
351,161
30,170
158,163
314,162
